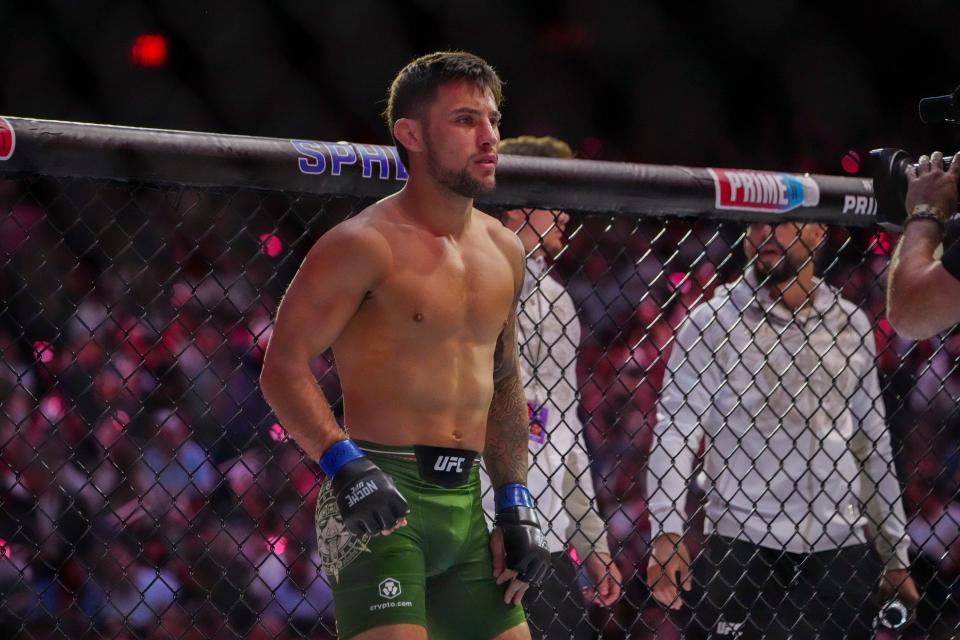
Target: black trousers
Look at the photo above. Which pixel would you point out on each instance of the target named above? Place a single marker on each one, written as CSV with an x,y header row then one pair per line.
x,y
748,592
555,610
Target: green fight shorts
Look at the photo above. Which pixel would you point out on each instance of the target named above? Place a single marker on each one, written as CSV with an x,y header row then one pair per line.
x,y
436,571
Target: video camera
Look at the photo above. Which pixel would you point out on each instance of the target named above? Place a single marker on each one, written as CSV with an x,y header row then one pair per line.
x,y
887,166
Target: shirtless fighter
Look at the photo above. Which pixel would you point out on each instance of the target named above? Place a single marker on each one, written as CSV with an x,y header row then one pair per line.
x,y
417,296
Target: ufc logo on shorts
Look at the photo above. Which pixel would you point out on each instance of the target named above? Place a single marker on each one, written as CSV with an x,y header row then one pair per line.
x,y
449,463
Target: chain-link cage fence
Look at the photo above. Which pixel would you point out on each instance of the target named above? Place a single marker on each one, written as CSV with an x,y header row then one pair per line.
x,y
147,491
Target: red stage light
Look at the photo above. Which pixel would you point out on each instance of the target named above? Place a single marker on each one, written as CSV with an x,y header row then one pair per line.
x,y
43,351
276,544
278,433
851,162
881,244
149,50
270,244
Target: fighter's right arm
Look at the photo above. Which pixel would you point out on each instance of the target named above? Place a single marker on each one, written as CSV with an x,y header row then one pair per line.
x,y
344,264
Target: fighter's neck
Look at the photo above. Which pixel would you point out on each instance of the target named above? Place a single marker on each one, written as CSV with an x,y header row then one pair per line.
x,y
441,211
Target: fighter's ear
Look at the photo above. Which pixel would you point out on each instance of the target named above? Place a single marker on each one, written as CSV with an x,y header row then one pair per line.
x,y
409,133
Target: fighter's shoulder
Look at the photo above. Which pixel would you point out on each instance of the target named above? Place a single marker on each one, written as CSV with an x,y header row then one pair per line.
x,y
360,238
505,239
366,230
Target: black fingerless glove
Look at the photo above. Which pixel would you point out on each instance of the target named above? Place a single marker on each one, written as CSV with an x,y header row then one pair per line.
x,y
366,497
523,542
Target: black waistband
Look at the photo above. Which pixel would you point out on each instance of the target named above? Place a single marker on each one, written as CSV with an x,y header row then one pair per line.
x,y
445,466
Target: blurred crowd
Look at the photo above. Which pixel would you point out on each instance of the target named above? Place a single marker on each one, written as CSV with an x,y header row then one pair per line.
x,y
146,490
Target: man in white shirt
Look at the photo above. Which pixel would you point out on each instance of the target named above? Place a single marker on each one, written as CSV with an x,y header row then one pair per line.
x,y
776,377
559,475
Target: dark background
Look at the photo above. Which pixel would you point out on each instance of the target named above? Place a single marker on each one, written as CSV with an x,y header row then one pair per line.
x,y
779,84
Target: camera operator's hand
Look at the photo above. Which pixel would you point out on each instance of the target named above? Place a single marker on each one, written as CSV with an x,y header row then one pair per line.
x,y
923,289
929,184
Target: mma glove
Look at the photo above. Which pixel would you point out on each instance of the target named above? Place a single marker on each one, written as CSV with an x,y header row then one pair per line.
x,y
523,542
367,499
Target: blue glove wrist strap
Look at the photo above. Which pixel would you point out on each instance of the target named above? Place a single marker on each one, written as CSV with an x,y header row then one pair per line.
x,y
513,495
339,454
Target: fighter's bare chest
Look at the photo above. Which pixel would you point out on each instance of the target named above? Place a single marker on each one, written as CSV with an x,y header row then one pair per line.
x,y
450,290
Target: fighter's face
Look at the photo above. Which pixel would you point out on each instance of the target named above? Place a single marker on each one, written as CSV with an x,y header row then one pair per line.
x,y
779,252
461,133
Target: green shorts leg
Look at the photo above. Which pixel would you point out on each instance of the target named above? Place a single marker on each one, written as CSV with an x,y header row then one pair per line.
x,y
465,601
435,572
377,580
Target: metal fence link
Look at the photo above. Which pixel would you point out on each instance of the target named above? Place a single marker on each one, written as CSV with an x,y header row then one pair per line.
x,y
146,491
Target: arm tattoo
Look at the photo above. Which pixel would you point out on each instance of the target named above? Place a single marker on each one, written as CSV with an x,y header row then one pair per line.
x,y
507,427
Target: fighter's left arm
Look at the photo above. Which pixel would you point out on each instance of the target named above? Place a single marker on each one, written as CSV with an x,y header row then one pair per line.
x,y
519,549
505,452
